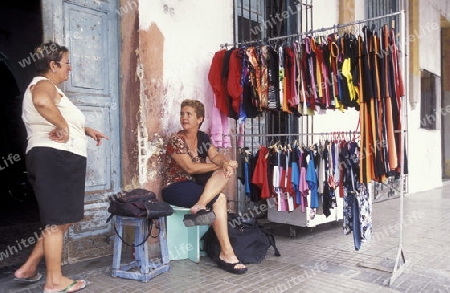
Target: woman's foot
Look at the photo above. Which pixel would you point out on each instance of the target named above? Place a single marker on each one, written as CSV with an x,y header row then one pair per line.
x,y
231,264
66,285
27,275
202,217
197,208
28,280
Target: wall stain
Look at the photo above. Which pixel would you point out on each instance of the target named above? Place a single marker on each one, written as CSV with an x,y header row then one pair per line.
x,y
150,142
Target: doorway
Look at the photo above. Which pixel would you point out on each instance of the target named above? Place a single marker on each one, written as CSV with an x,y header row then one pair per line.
x,y
20,32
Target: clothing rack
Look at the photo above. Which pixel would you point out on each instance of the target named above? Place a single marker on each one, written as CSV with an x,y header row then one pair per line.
x,y
294,134
399,266
309,134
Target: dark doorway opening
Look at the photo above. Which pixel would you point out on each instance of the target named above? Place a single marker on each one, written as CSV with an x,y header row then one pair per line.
x,y
20,32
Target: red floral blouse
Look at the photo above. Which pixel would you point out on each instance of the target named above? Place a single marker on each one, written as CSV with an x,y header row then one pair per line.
x,y
178,145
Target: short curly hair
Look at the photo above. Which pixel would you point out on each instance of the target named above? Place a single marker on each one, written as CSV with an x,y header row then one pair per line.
x,y
198,107
46,53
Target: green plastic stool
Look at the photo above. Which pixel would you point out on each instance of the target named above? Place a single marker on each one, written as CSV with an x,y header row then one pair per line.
x,y
184,242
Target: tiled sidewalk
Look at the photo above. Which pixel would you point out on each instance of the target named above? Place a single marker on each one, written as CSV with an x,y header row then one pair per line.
x,y
321,259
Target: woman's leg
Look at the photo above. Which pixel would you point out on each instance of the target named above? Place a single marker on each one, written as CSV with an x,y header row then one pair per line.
x,y
53,245
213,187
29,268
220,226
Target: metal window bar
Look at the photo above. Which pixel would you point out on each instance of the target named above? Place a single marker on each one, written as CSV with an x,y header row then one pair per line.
x,y
382,7
266,9
311,32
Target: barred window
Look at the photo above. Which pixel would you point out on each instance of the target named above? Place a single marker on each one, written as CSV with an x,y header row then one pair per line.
x,y
257,20
249,16
429,85
376,8
381,7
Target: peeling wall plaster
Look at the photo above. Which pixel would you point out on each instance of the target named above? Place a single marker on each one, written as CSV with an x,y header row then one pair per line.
x,y
142,136
176,50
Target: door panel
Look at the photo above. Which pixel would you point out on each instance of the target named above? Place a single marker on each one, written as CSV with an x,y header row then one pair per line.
x,y
98,175
88,35
90,30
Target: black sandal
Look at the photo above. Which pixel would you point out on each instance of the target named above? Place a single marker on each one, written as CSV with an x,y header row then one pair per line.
x,y
202,217
231,267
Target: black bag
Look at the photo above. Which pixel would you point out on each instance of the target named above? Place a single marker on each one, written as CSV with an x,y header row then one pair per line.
x,y
250,241
138,203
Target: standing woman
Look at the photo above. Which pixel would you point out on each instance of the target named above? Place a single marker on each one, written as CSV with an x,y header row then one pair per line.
x,y
56,164
194,183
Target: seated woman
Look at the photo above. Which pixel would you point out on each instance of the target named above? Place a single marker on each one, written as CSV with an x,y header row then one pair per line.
x,y
194,183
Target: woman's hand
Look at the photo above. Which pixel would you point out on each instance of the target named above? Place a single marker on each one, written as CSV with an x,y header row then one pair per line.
x,y
229,167
96,135
59,134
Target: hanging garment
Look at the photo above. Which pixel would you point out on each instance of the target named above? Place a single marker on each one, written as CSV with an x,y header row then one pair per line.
x,y
356,225
289,100
273,103
399,93
255,73
302,81
348,65
295,176
303,184
310,62
327,199
311,179
234,82
217,83
259,177
291,66
250,100
276,179
365,212
264,75
220,129
357,204
225,75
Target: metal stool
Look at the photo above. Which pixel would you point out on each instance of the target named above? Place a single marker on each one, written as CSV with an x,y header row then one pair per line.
x,y
141,268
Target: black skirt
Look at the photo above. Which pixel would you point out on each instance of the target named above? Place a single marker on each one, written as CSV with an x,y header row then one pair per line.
x,y
58,179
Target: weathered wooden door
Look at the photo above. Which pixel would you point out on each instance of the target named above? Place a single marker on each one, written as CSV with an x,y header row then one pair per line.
x,y
89,28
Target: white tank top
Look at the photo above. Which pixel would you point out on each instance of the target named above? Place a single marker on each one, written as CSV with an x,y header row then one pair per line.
x,y
38,128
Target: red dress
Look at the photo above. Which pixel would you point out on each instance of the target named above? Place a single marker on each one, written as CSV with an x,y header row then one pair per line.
x,y
260,177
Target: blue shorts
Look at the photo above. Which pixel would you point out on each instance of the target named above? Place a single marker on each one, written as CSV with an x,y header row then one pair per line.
x,y
184,194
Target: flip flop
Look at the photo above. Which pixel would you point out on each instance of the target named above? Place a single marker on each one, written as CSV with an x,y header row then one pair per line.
x,y
67,289
202,217
231,267
29,280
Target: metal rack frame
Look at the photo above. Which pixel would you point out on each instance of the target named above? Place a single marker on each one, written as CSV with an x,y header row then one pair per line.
x,y
400,261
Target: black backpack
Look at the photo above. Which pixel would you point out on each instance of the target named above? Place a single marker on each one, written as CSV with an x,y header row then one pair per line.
x,y
138,203
250,241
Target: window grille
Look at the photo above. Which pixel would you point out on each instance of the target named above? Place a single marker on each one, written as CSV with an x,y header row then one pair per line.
x,y
376,8
428,100
257,20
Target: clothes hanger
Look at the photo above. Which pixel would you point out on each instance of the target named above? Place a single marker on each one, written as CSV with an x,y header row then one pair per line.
x,y
275,145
